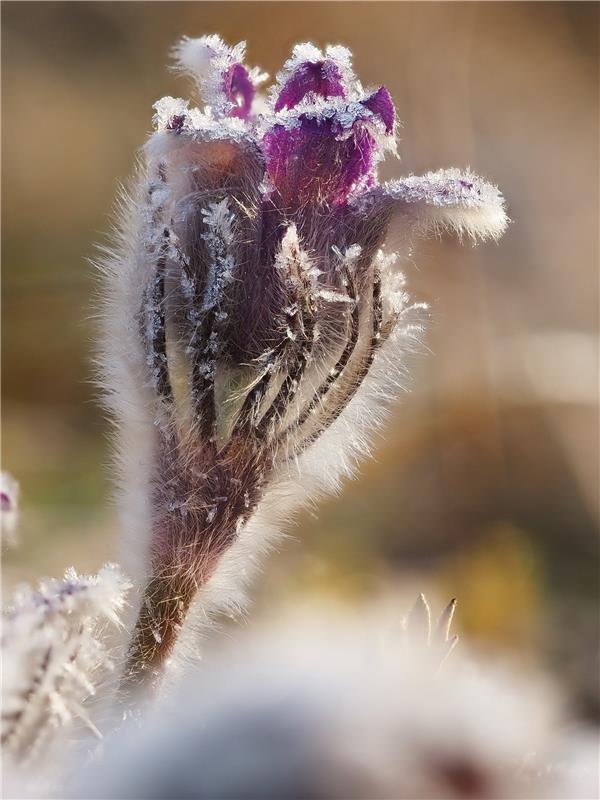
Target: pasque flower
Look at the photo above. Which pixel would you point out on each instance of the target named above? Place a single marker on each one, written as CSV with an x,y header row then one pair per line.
x,y
255,324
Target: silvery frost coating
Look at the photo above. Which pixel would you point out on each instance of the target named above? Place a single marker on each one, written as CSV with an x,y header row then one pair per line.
x,y
53,657
256,326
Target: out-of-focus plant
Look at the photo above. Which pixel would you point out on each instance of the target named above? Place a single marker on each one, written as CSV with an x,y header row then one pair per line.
x,y
325,707
53,655
255,325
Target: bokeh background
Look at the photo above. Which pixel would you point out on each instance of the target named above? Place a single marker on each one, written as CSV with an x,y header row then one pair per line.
x,y
485,485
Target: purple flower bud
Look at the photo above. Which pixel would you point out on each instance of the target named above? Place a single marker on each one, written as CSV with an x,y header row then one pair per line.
x,y
265,302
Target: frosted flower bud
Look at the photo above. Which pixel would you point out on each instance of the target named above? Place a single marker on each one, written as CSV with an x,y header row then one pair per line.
x,y
325,705
256,325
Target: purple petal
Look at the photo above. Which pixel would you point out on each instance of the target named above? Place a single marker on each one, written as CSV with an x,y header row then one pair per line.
x,y
323,78
382,105
326,155
313,163
239,89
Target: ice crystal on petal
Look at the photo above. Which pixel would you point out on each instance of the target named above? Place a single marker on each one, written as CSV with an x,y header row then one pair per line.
x,y
168,109
319,78
219,237
449,199
445,188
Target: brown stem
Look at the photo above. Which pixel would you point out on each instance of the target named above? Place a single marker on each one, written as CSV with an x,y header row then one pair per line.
x,y
188,551
165,604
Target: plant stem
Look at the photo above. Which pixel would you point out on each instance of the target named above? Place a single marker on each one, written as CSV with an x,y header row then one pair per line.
x,y
165,604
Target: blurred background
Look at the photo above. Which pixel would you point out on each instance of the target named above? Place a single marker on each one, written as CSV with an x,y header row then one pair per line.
x,y
485,485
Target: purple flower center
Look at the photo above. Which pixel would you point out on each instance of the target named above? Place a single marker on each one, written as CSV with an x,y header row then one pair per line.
x,y
239,90
323,78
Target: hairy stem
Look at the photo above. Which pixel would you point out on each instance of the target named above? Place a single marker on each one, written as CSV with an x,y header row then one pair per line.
x,y
165,604
199,511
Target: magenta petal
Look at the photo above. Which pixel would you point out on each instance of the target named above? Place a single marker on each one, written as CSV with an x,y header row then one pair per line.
x,y
382,106
321,77
312,163
239,90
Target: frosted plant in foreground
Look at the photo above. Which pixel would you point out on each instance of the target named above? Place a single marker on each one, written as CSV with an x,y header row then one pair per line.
x,y
52,655
255,326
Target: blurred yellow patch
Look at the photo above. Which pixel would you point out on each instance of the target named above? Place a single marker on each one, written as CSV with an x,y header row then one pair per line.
x,y
500,594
